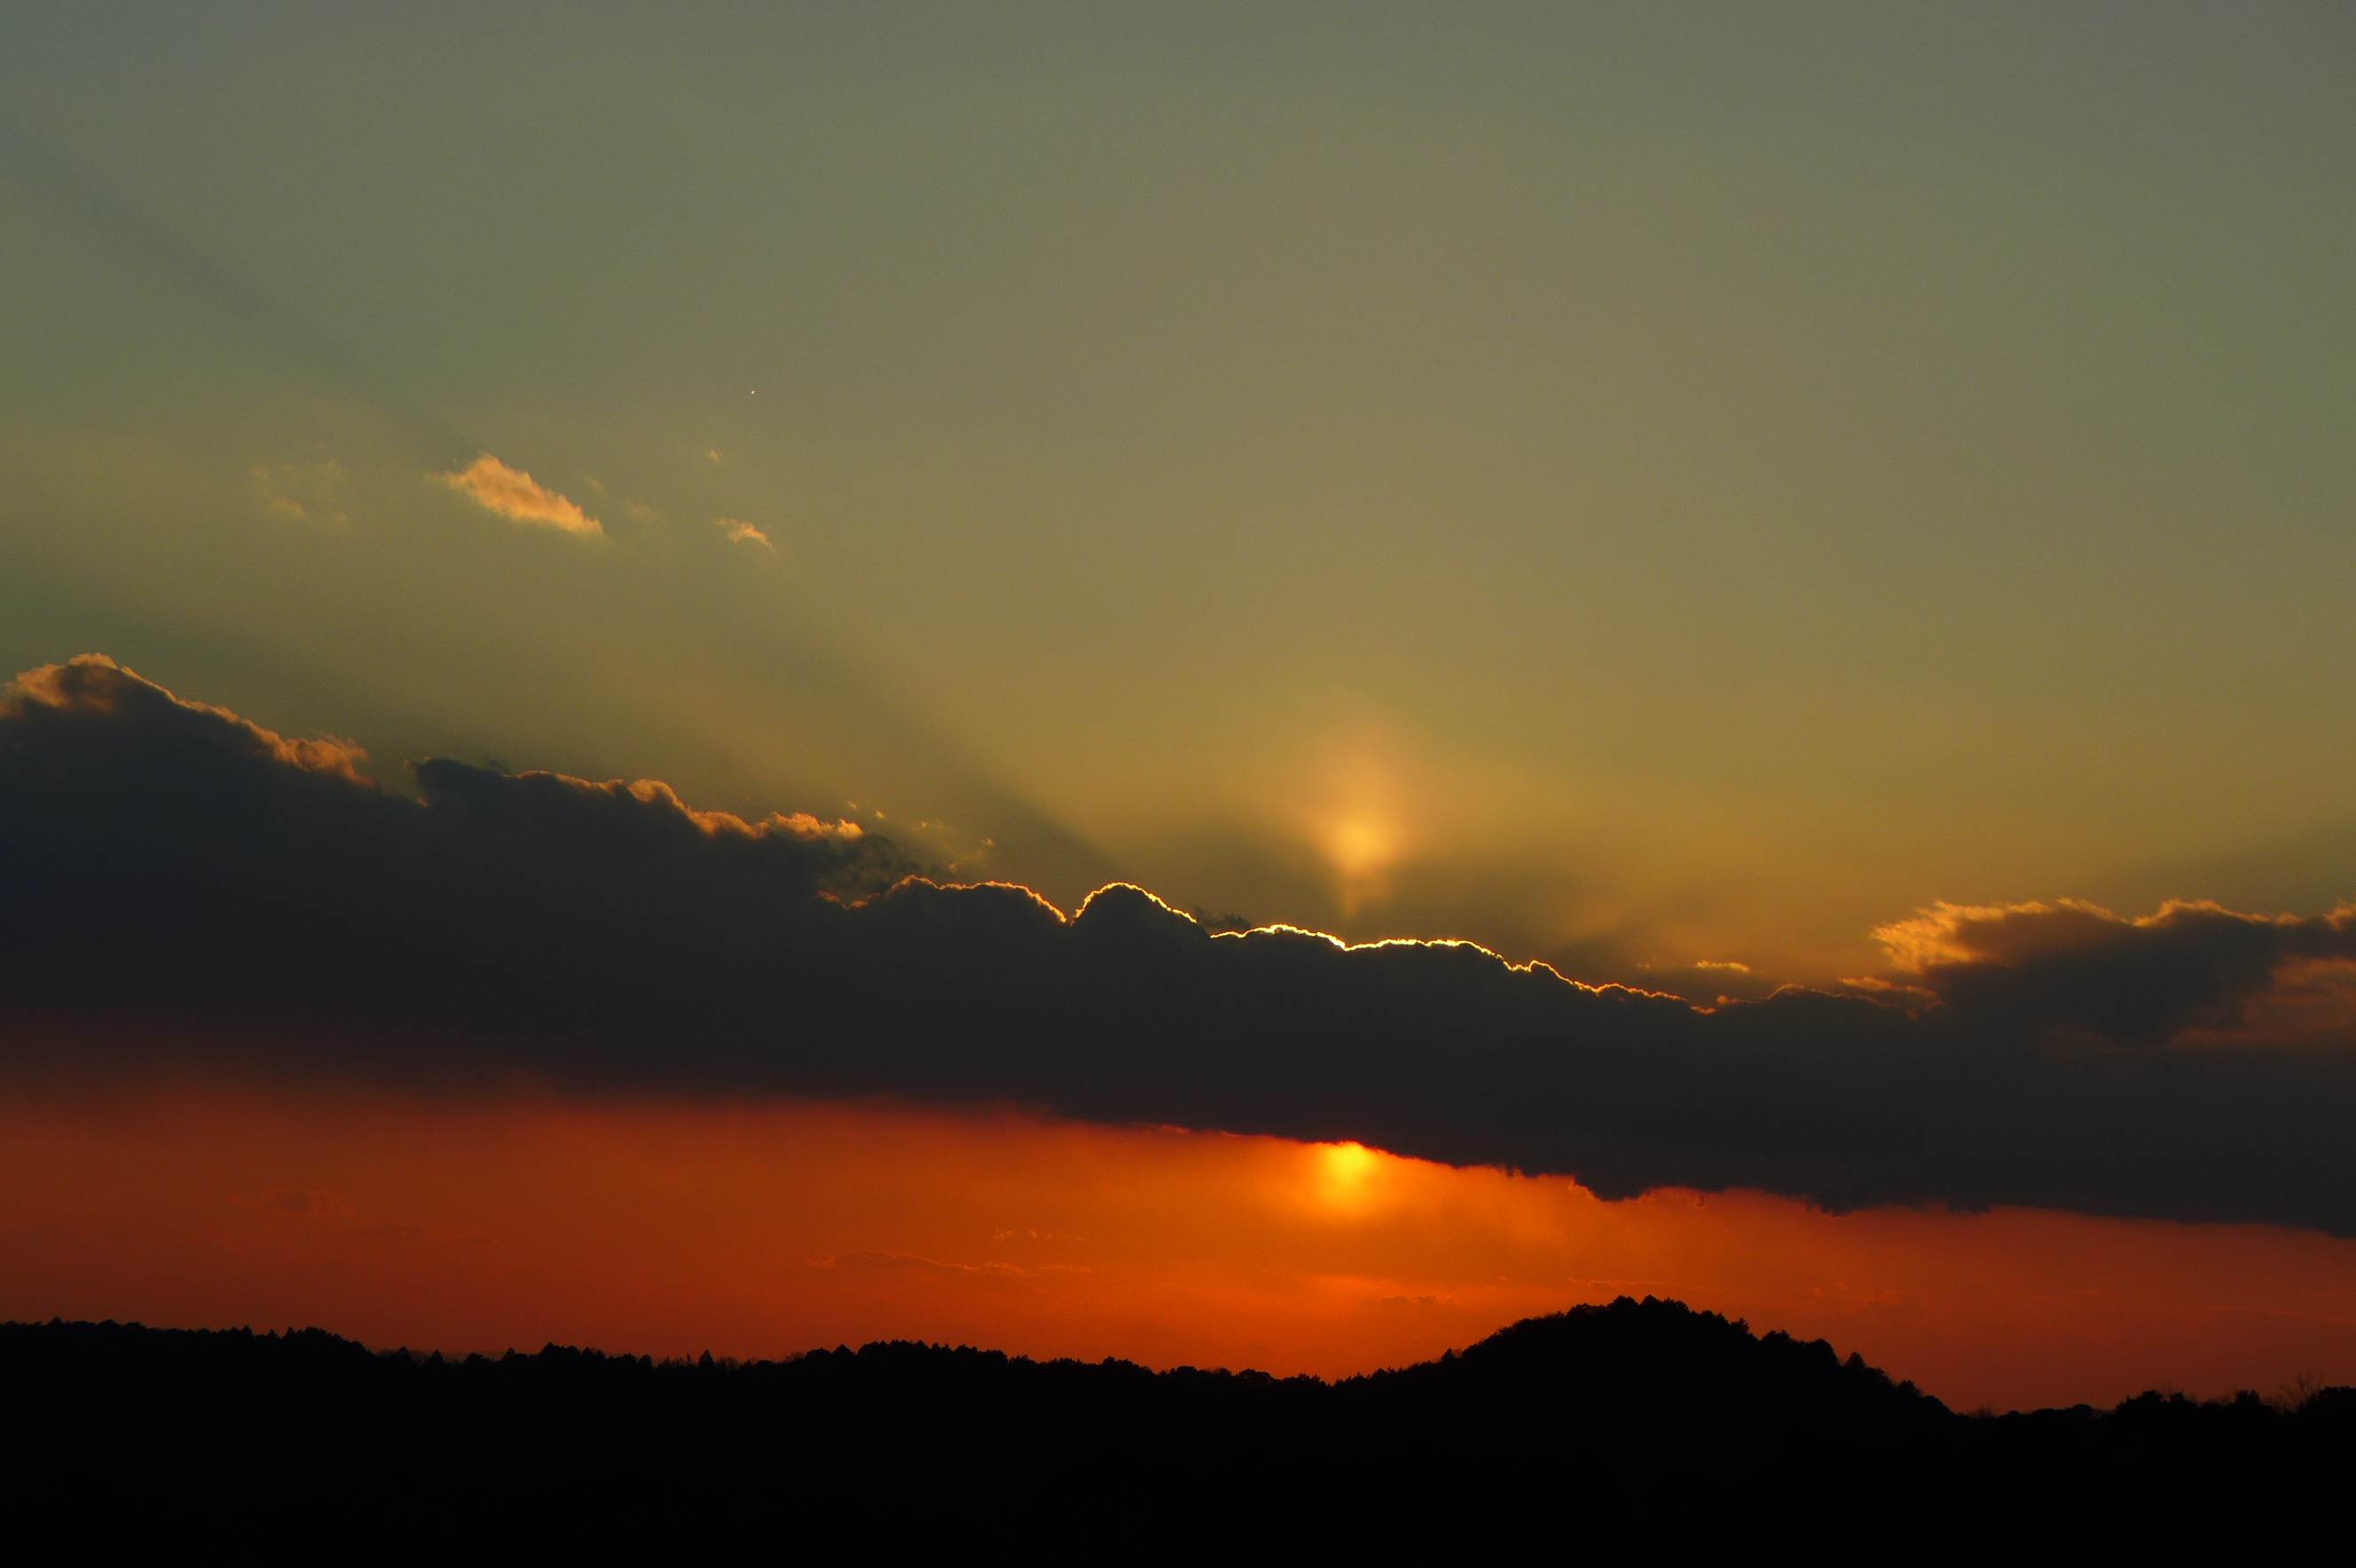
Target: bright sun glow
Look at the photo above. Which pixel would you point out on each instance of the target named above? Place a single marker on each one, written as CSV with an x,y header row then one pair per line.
x,y
1359,816
1346,1175
1361,845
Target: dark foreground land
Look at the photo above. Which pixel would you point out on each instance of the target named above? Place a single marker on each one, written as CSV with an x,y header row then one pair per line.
x,y
1640,1426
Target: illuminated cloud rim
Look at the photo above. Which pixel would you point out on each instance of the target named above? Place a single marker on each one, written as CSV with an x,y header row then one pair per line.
x,y
518,497
183,890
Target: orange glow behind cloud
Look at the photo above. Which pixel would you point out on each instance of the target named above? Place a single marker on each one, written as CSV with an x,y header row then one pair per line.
x,y
760,1229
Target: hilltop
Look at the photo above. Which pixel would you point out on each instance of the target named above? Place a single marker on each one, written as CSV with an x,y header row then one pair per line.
x,y
1641,1422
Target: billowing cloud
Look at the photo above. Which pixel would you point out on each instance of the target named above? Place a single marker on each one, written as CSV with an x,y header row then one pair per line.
x,y
514,495
131,719
180,886
2076,967
739,531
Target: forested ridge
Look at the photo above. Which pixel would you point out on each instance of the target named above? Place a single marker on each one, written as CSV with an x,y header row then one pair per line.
x,y
1640,1425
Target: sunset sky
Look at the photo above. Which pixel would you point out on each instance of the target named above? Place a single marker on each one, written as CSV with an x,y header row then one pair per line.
x,y
1853,506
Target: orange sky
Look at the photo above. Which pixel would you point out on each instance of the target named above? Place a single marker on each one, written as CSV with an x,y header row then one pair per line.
x,y
761,1229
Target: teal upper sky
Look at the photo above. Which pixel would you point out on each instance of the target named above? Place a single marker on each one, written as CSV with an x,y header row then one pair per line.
x,y
1638,483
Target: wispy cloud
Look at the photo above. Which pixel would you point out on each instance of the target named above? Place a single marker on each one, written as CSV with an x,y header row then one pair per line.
x,y
739,531
516,496
300,494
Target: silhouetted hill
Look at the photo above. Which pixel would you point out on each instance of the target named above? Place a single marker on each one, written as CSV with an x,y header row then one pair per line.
x,y
1646,1387
1643,1426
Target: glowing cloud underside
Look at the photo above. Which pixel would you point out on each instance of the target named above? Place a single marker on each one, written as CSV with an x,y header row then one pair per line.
x,y
518,497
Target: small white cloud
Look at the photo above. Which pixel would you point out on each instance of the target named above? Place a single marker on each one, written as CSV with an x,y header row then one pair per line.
x,y
516,496
740,532
713,454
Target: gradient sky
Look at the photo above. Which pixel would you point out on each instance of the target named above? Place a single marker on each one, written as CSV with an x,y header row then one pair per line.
x,y
1633,486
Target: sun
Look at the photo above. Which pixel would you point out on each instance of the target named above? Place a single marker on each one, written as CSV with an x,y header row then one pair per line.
x,y
1346,1174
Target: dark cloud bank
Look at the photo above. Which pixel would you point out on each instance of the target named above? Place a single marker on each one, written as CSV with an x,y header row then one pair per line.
x,y
180,889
